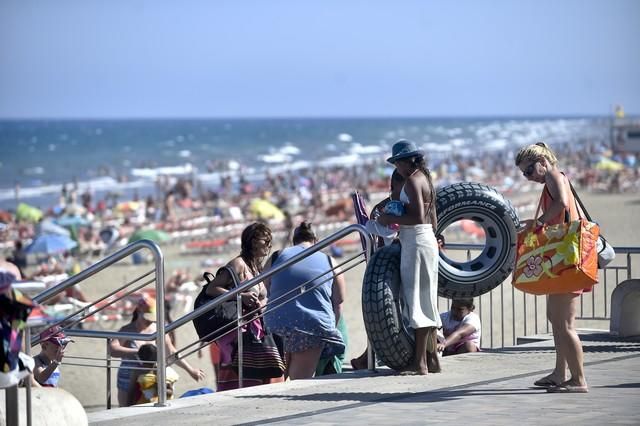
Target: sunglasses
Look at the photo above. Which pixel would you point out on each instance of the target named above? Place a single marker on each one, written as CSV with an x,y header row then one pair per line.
x,y
59,341
529,170
263,241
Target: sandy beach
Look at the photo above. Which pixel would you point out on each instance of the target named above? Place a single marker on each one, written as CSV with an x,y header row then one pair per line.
x,y
185,124
616,213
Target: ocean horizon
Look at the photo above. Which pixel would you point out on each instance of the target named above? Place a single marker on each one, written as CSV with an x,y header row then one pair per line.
x,y
126,156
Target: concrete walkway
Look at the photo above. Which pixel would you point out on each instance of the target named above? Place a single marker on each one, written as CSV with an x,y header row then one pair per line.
x,y
487,388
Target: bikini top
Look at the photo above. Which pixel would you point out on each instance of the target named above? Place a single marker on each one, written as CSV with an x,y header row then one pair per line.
x,y
405,200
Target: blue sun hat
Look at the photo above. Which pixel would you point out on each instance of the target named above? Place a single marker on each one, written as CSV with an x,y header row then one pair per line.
x,y
403,149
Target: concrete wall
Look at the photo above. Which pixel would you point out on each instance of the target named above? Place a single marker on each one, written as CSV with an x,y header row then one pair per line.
x,y
50,406
625,309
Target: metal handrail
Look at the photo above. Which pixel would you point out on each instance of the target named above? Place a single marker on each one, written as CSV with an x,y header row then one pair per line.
x,y
99,266
531,315
161,327
158,335
298,291
460,246
163,360
234,292
242,287
619,250
272,271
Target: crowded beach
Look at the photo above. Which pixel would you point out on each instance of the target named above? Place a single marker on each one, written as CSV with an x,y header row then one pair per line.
x,y
203,224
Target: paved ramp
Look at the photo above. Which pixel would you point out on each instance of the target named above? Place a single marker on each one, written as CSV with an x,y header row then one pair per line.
x,y
490,388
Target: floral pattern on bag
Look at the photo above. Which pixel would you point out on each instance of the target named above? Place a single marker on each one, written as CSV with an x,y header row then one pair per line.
x,y
534,266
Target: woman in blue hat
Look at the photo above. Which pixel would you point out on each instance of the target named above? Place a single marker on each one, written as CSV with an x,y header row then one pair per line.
x,y
419,258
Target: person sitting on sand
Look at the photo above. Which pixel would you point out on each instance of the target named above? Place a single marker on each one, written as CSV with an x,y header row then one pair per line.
x,y
461,329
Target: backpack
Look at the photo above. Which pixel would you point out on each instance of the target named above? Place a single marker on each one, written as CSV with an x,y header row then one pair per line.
x,y
216,321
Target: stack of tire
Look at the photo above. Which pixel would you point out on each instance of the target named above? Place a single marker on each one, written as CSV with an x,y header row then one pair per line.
x,y
381,304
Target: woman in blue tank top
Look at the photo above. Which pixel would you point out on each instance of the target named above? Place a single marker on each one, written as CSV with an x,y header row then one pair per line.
x,y
307,323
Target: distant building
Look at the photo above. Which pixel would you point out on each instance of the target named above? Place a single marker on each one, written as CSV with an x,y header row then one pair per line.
x,y
625,132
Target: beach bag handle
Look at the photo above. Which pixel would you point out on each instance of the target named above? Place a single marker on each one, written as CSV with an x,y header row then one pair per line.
x,y
606,252
579,203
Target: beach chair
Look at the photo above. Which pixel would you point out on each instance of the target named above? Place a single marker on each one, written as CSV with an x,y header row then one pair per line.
x,y
360,210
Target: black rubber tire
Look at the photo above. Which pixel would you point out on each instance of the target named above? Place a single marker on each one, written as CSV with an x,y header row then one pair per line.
x,y
381,309
495,214
392,341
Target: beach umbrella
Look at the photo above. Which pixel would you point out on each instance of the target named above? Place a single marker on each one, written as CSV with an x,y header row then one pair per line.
x,y
47,226
265,209
69,221
609,165
5,216
128,206
28,213
149,234
50,244
75,210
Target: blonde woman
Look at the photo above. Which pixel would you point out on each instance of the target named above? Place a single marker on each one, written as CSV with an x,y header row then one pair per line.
x,y
538,163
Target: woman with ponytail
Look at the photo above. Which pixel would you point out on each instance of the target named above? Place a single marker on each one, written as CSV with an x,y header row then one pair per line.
x,y
309,323
419,256
538,163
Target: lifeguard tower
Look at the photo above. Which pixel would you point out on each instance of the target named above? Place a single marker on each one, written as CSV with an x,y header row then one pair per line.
x,y
625,133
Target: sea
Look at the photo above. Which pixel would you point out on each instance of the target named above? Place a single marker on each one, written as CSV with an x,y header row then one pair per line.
x,y
38,157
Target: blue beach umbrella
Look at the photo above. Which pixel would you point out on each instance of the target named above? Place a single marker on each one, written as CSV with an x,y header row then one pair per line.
x,y
47,226
69,221
50,244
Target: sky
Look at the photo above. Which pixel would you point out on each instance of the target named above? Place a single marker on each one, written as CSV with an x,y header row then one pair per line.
x,y
204,58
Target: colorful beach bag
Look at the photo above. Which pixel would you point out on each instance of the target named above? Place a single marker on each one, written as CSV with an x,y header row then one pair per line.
x,y
554,259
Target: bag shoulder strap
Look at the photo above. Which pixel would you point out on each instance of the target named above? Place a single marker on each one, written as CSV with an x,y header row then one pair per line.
x,y
579,203
208,276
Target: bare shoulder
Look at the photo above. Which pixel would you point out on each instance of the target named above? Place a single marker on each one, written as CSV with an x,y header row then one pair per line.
x,y
127,327
555,182
423,185
238,264
415,182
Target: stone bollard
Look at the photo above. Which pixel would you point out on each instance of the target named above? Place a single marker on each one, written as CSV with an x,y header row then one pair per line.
x,y
625,309
50,406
